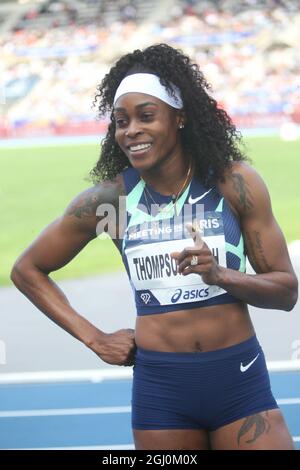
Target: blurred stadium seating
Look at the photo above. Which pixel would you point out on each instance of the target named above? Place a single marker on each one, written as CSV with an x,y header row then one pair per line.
x,y
55,52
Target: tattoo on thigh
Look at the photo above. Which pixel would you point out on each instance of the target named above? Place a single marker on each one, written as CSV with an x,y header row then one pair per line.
x,y
256,424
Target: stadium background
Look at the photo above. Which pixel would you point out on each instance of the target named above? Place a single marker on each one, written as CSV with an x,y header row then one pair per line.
x,y
54,53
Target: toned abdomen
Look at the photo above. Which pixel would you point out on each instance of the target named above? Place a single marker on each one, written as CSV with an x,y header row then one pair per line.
x,y
200,329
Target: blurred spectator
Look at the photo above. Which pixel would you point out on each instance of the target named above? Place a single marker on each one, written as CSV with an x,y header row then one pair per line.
x,y
248,51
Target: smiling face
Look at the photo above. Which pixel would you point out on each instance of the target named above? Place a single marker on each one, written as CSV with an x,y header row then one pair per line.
x,y
147,130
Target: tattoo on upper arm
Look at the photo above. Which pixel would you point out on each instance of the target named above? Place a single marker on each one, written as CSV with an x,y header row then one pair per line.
x,y
242,189
87,206
256,252
90,200
258,424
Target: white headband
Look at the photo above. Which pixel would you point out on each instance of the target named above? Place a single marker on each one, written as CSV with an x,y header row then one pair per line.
x,y
150,85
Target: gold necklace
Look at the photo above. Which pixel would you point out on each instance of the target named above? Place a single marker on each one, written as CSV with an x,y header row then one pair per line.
x,y
175,197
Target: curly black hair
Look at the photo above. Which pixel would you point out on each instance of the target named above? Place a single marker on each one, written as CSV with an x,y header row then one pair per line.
x,y
209,135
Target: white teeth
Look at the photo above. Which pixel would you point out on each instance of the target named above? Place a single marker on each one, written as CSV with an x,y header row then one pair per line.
x,y
135,148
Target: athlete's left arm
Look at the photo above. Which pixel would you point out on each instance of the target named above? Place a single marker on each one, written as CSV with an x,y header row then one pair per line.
x,y
275,284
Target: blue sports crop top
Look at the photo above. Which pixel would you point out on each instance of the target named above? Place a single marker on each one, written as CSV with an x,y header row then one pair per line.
x,y
150,237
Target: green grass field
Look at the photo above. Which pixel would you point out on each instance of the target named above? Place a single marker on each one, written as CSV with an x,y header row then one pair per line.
x,y
36,184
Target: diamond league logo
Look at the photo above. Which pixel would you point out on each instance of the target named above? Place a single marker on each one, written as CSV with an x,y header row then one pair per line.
x,y
145,298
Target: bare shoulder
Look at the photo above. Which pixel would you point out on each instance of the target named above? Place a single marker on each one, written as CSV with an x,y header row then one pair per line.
x,y
83,208
244,188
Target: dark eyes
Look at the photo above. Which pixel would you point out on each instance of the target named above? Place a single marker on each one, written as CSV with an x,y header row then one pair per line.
x,y
121,122
144,117
147,116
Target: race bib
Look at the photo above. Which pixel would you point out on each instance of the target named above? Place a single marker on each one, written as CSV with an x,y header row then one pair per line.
x,y
154,273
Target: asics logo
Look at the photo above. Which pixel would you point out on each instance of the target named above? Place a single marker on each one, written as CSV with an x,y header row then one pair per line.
x,y
196,199
176,296
246,367
190,294
145,298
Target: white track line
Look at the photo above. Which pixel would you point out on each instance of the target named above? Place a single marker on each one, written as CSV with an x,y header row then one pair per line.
x,y
98,375
91,375
96,410
107,447
283,366
288,401
65,411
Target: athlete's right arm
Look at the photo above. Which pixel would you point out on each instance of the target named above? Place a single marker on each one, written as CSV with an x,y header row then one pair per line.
x,y
56,246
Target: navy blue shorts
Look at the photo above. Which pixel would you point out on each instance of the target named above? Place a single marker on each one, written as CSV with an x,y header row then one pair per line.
x,y
199,390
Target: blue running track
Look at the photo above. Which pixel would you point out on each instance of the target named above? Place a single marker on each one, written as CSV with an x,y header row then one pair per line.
x,y
96,415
